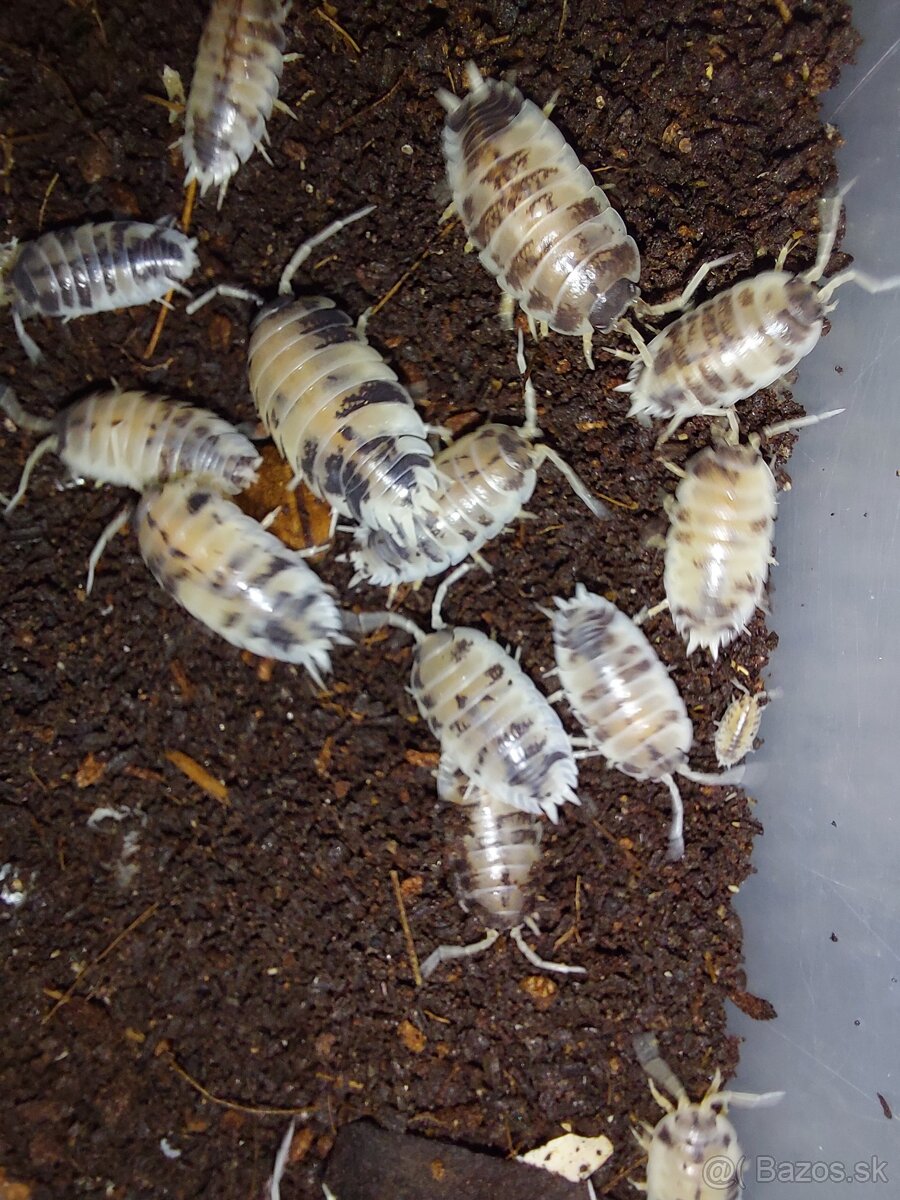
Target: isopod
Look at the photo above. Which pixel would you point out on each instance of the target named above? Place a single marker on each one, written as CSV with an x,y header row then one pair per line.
x,y
233,90
491,720
693,1150
235,577
622,695
487,478
131,439
719,544
741,340
340,416
542,227
499,851
92,268
737,730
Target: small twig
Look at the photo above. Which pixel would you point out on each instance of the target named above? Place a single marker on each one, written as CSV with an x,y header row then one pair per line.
x,y
49,192
172,105
320,12
187,213
392,291
407,932
198,775
562,19
628,505
364,112
70,991
260,1110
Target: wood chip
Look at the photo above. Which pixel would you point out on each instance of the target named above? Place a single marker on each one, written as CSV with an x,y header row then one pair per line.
x,y
303,520
412,1037
422,758
91,770
197,774
753,1006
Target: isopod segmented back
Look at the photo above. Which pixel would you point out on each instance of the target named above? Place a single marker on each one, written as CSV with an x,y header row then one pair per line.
x,y
235,577
340,416
93,268
623,697
132,439
235,85
492,722
500,849
542,227
719,544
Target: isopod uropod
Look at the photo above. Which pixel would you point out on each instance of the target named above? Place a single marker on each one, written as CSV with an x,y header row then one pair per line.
x,y
92,268
741,340
500,849
719,544
623,697
233,90
542,227
692,1151
235,577
487,477
491,720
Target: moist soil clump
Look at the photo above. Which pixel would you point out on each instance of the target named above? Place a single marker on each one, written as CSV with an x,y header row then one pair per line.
x,y
182,976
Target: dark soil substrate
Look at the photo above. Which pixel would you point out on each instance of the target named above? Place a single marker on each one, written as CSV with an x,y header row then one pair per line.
x,y
270,965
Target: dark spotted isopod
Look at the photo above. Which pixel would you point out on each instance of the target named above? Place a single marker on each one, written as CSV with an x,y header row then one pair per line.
x,y
542,227
91,269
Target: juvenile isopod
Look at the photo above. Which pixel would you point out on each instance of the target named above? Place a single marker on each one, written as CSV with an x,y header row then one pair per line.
x,y
486,479
235,577
92,268
132,439
737,730
693,1150
233,90
741,340
499,852
489,717
624,700
542,227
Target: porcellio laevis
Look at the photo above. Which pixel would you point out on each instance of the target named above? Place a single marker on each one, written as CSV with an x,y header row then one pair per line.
x,y
233,90
487,477
719,544
340,416
489,717
499,852
541,225
92,268
741,340
235,577
622,695
131,439
692,1151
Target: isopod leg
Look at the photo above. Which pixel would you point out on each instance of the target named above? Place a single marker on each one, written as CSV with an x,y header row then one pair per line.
x,y
223,289
42,448
118,522
447,953
541,963
681,302
676,828
29,345
302,253
545,453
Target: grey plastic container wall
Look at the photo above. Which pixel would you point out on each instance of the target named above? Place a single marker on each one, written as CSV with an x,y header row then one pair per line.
x,y
822,916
